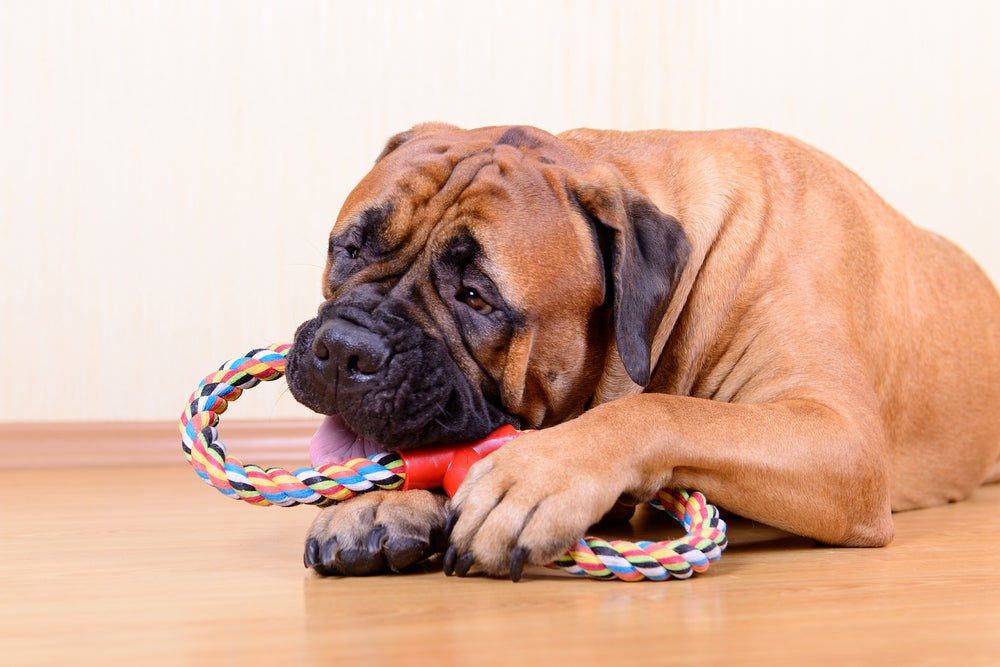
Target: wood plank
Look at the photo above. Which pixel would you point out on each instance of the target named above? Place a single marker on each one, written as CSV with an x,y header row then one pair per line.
x,y
147,565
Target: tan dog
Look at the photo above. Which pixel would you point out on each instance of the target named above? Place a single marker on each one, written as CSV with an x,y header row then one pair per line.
x,y
733,312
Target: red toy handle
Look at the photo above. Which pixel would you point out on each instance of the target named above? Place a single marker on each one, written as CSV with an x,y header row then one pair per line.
x,y
437,467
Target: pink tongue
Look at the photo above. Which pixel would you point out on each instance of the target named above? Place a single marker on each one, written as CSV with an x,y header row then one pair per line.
x,y
334,442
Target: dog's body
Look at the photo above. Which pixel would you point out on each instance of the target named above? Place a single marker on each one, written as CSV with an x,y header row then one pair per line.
x,y
733,312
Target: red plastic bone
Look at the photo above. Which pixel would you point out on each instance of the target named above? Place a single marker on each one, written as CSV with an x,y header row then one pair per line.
x,y
445,467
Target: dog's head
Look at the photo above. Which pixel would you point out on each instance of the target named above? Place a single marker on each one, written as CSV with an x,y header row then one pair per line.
x,y
482,277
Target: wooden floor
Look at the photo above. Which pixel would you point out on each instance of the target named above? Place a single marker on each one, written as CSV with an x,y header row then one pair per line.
x,y
147,565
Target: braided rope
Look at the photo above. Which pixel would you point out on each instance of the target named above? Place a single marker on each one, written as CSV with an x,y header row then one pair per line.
x,y
633,561
334,482
325,485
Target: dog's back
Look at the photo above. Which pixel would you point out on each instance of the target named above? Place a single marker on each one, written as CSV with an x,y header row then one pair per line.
x,y
924,317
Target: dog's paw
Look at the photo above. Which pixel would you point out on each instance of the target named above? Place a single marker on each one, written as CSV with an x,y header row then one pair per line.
x,y
527,503
377,532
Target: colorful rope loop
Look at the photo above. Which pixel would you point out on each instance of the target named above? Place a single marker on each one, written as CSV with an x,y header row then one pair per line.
x,y
269,486
679,559
334,482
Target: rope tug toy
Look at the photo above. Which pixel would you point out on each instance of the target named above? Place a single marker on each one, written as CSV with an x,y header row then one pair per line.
x,y
436,467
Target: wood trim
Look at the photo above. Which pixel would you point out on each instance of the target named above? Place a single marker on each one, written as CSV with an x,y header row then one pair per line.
x,y
99,444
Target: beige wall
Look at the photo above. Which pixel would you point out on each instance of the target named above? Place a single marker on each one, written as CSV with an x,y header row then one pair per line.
x,y
169,170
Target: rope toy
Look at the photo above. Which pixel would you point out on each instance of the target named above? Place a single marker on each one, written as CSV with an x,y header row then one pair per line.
x,y
437,467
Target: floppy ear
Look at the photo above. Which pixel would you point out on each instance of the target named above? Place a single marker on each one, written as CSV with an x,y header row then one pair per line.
x,y
644,252
398,140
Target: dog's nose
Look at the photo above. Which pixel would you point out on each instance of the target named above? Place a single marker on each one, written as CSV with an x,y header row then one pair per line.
x,y
349,348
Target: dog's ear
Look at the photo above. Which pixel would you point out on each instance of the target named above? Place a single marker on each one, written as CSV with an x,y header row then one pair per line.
x,y
644,252
394,142
399,139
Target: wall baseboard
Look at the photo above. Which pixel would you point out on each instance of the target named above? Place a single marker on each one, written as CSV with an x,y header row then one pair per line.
x,y
98,444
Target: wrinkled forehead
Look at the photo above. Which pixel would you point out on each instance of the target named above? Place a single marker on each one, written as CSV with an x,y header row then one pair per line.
x,y
436,168
506,188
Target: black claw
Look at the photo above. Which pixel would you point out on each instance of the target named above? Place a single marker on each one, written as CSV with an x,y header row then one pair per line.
x,y
401,553
359,563
517,563
376,539
311,555
449,560
450,522
464,564
328,551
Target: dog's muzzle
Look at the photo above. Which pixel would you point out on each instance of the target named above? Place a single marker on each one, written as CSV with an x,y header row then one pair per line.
x,y
388,380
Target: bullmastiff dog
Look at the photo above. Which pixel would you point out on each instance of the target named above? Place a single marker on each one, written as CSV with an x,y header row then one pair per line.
x,y
733,311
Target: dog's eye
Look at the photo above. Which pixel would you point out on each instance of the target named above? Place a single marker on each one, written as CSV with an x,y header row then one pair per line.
x,y
338,247
471,298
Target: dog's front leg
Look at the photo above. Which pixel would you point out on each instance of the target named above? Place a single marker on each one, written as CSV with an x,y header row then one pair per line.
x,y
797,465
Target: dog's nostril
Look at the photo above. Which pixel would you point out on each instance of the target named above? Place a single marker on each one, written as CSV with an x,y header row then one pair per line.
x,y
366,363
320,349
353,366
